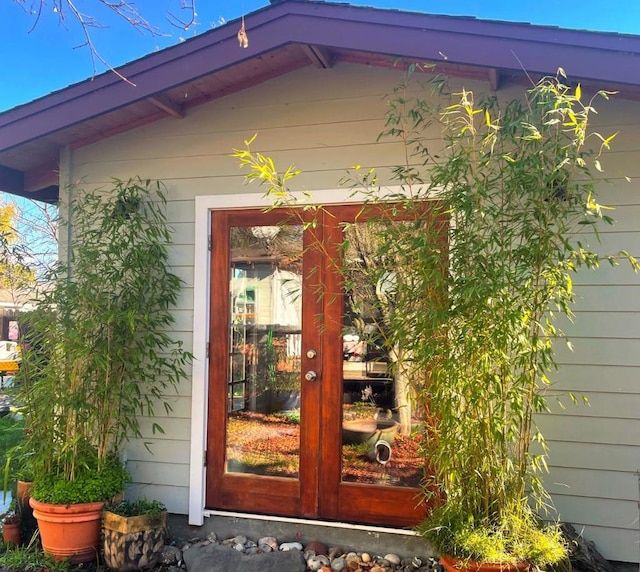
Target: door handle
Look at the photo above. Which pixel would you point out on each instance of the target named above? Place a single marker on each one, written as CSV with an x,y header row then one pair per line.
x,y
311,375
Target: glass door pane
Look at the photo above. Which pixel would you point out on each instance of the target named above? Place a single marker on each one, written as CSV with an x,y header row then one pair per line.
x,y
376,448
265,331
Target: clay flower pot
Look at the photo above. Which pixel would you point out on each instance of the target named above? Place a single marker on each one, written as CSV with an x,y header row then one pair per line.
x,y
69,531
11,530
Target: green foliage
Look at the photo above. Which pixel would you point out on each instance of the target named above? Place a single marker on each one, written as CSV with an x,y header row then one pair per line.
x,y
20,558
90,484
152,509
12,454
516,185
519,536
474,260
98,356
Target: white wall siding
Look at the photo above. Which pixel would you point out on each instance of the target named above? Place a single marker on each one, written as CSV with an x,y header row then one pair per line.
x,y
326,121
595,448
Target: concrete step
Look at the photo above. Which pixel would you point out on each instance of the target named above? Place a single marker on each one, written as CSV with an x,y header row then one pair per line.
x,y
373,539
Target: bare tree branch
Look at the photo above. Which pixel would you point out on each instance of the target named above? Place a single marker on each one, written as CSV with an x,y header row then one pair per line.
x,y
187,7
84,14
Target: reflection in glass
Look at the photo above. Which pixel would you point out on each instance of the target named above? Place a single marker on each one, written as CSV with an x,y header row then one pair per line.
x,y
265,305
375,448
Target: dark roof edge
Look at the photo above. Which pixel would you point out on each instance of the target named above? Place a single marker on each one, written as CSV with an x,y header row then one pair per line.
x,y
438,22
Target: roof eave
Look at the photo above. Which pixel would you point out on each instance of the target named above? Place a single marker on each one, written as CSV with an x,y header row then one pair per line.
x,y
601,58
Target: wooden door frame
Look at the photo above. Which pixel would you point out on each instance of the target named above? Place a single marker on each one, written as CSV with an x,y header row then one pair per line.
x,y
246,492
204,205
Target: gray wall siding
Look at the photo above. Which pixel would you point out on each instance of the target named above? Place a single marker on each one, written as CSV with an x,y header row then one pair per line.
x,y
326,121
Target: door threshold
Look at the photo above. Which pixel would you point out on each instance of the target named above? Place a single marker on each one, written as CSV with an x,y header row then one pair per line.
x,y
311,522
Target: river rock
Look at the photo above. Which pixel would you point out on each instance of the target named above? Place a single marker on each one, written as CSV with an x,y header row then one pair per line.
x,y
338,564
170,555
286,546
317,547
269,541
334,552
392,559
315,563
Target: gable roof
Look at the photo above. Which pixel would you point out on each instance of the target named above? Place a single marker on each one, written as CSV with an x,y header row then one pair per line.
x,y
284,37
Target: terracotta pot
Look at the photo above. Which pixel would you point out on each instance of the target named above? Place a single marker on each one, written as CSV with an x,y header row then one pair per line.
x,y
29,524
24,492
452,564
11,533
69,531
132,542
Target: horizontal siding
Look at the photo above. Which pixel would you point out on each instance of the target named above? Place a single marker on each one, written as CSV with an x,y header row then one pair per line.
x,y
175,498
180,211
626,218
600,351
607,275
614,485
596,379
608,298
158,450
168,474
177,428
621,324
597,511
326,121
601,404
320,158
585,429
596,456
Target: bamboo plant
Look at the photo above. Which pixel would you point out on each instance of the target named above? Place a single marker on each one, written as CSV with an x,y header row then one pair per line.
x,y
98,355
479,250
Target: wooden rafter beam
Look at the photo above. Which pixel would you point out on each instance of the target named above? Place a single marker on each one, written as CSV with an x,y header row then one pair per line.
x,y
319,56
165,104
494,79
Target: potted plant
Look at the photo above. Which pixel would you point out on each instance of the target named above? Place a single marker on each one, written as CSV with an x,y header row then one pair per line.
x,y
11,534
98,356
18,477
478,276
477,315
133,534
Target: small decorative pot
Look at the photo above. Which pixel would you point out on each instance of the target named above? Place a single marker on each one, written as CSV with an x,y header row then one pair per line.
x,y
132,542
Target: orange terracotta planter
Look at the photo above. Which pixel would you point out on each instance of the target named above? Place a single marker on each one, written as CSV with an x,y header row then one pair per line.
x,y
24,492
452,564
69,531
11,533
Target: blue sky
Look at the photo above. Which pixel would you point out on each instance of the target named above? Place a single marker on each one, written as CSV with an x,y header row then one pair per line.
x,y
37,61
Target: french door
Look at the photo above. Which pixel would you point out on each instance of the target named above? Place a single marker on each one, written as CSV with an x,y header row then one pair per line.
x,y
302,416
